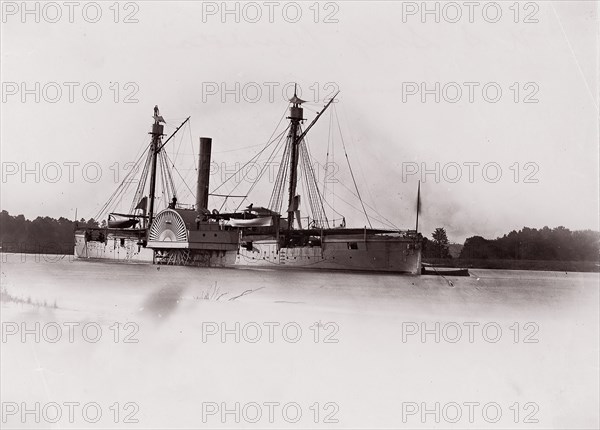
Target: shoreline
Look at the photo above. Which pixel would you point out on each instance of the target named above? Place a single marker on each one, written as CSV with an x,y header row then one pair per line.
x,y
535,265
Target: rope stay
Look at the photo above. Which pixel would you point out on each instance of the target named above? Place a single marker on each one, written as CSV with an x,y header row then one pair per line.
x,y
269,143
351,171
142,167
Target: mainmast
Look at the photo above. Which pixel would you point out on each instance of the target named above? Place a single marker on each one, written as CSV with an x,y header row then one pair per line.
x,y
157,133
295,118
298,152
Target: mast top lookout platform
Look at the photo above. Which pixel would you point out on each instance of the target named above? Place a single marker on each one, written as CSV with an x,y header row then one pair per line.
x,y
296,112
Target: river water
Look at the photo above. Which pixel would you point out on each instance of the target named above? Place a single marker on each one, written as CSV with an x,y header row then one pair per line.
x,y
108,345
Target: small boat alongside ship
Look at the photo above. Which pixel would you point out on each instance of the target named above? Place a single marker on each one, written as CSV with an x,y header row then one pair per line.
x,y
274,237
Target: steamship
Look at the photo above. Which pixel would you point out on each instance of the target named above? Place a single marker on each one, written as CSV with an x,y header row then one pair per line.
x,y
255,236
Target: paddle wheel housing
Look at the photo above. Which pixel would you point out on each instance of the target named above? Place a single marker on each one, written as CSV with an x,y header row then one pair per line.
x,y
178,237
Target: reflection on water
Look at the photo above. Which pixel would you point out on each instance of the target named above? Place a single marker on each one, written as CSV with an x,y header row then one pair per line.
x,y
163,301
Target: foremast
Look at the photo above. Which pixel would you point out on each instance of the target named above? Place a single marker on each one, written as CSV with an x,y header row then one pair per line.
x,y
155,147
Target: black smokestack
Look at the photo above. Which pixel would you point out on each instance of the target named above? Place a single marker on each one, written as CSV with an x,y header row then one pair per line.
x,y
203,174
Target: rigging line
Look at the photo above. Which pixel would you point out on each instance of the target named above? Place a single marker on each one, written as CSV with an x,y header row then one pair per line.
x,y
372,208
333,209
268,162
250,161
326,219
179,147
358,210
119,189
330,153
269,144
315,198
224,203
141,185
260,144
285,172
333,160
115,193
284,179
306,191
304,173
261,173
362,172
192,146
239,149
314,185
140,152
168,189
169,179
164,188
161,176
314,180
241,168
123,187
165,185
276,199
186,177
304,185
163,182
167,161
352,173
161,167
327,157
183,180
143,176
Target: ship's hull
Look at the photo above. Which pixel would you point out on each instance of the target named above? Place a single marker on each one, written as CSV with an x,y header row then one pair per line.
x,y
372,255
117,246
377,256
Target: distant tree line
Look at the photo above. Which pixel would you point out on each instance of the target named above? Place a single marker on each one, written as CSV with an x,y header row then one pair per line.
x,y
546,244
43,234
558,244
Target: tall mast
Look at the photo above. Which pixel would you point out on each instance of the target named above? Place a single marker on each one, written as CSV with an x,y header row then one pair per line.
x,y
294,141
157,133
295,118
418,207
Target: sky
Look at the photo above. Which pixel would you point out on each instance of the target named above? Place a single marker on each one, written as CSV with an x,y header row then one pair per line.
x,y
494,109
